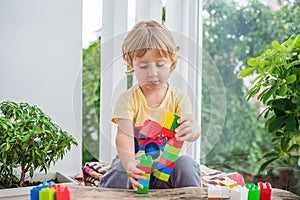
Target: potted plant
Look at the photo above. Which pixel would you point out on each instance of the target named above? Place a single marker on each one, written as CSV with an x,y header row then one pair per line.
x,y
277,86
29,141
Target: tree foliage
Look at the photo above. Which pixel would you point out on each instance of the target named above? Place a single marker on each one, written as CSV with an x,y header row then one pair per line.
x,y
29,139
91,101
232,33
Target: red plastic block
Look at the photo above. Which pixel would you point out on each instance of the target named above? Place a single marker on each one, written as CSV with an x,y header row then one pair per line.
x,y
166,162
265,190
145,169
175,143
150,128
62,192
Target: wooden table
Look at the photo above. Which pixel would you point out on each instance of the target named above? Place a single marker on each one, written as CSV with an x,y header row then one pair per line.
x,y
89,193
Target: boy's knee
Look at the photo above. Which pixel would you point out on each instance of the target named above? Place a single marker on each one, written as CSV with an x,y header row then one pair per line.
x,y
186,166
186,162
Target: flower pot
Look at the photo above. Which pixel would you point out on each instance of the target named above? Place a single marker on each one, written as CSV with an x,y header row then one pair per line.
x,y
24,192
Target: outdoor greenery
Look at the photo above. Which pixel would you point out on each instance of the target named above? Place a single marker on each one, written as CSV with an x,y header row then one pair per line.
x,y
232,33
91,102
29,140
277,85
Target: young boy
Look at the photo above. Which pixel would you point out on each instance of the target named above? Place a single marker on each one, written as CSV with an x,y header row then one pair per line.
x,y
150,51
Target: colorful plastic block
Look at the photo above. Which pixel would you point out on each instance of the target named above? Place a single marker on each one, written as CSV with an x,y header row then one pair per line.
x,y
166,162
175,143
265,190
225,192
214,192
254,192
47,194
172,150
165,119
164,169
239,193
34,193
145,165
175,124
62,192
169,156
161,176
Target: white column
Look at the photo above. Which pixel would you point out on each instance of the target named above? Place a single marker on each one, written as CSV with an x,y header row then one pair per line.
x,y
113,79
183,18
149,10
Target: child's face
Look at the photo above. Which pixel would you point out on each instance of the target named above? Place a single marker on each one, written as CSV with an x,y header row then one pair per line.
x,y
152,70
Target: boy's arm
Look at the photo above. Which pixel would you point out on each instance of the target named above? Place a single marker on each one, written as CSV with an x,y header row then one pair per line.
x,y
125,148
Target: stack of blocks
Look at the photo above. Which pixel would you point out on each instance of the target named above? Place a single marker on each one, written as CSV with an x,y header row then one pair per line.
x,y
50,191
172,149
145,165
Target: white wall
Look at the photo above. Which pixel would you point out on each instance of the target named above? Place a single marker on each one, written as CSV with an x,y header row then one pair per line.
x,y
40,63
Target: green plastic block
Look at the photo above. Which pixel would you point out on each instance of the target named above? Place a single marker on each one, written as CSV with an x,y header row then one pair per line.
x,y
169,156
47,194
142,191
146,161
175,124
254,191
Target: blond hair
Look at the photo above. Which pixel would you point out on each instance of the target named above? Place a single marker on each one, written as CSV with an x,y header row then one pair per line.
x,y
147,35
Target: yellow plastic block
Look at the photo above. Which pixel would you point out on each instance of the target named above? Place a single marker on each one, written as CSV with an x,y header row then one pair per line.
x,y
147,176
161,176
165,119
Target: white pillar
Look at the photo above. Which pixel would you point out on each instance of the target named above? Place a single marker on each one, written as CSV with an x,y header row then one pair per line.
x,y
149,10
113,79
183,18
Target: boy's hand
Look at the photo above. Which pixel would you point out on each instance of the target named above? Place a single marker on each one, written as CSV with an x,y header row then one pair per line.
x,y
188,130
134,174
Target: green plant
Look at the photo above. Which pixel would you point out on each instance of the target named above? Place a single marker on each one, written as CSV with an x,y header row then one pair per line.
x,y
29,139
277,85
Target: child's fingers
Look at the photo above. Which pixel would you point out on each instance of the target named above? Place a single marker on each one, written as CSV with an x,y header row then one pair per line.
x,y
135,184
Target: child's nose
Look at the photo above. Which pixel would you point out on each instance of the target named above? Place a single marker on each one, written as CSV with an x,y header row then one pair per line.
x,y
153,70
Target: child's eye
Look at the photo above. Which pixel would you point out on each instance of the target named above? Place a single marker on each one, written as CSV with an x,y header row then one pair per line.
x,y
143,66
161,64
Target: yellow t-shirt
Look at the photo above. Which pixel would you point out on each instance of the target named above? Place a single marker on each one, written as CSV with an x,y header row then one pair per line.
x,y
132,105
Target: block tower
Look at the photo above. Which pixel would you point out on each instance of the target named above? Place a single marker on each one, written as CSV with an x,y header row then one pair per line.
x,y
172,149
145,165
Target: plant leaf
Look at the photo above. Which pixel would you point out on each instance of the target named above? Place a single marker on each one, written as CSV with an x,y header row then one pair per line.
x,y
279,47
283,90
276,123
269,93
291,79
246,72
290,124
265,164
